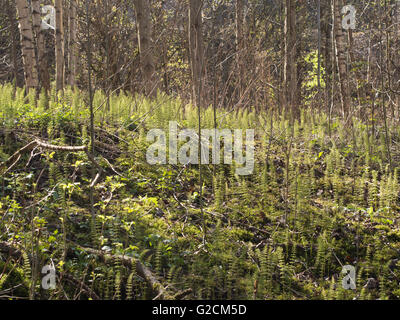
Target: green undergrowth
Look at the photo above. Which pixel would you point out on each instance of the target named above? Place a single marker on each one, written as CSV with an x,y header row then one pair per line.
x,y
323,194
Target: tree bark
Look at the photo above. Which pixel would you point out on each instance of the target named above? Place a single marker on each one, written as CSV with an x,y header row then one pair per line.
x,y
59,45
319,42
14,41
290,62
27,46
397,58
40,45
145,30
240,44
73,63
326,30
341,57
196,48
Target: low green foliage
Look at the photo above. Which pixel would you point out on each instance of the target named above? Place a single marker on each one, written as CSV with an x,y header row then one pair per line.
x,y
322,195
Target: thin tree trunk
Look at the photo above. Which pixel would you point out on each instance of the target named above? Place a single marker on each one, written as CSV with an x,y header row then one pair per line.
x,y
72,44
360,96
290,62
319,43
27,46
40,45
197,59
145,30
59,45
240,44
108,56
397,58
383,86
13,53
327,52
341,58
196,48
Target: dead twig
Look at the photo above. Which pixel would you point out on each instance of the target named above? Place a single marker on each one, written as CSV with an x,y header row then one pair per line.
x,y
38,143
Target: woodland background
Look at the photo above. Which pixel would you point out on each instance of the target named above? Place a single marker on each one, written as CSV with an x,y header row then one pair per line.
x,y
76,191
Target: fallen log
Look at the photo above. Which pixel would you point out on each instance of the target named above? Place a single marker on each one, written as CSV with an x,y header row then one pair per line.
x,y
130,262
145,273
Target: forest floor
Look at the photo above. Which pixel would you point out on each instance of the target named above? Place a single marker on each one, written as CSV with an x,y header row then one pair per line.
x,y
322,195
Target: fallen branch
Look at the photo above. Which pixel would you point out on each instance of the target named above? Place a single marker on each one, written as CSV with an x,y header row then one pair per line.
x,y
130,262
17,155
141,269
60,148
16,253
107,147
182,294
38,143
84,288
